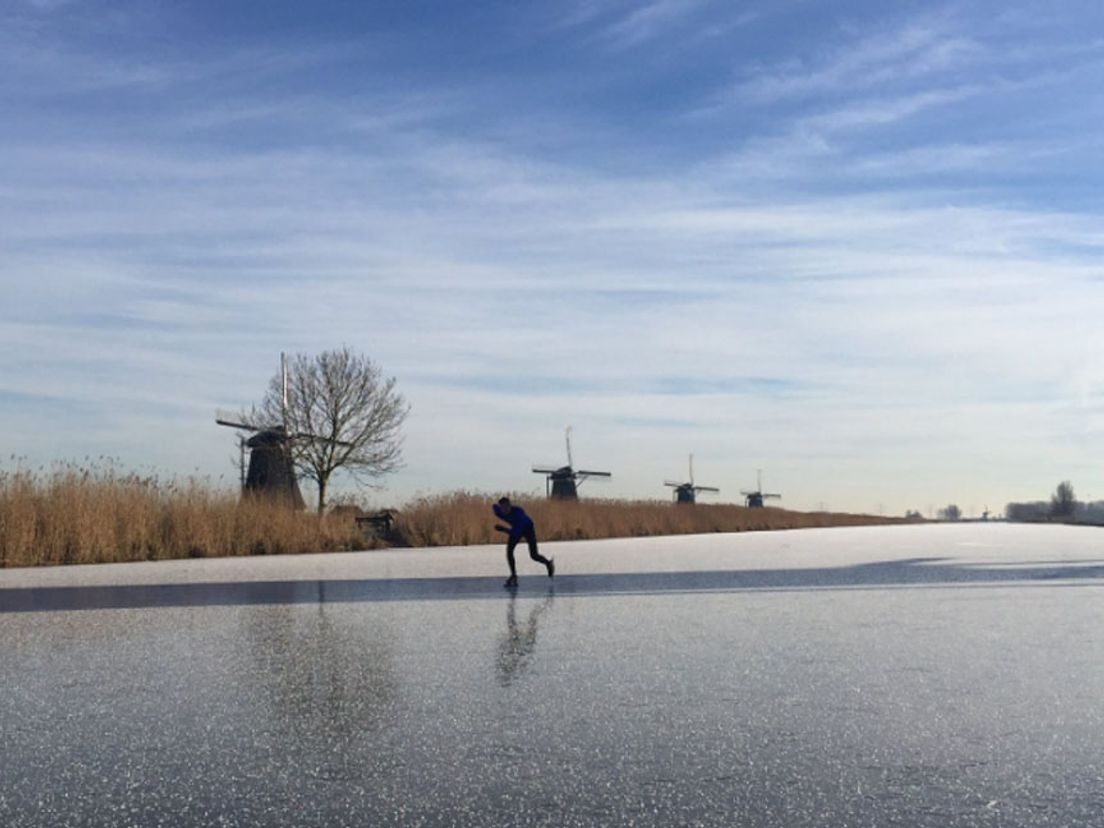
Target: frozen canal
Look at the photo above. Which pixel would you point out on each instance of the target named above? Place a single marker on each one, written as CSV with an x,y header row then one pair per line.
x,y
918,676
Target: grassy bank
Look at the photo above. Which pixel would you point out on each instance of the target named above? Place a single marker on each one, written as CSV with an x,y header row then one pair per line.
x,y
74,515
462,518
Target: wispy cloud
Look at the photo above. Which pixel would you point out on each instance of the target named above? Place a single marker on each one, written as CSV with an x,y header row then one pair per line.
x,y
888,110
913,50
645,20
839,272
626,25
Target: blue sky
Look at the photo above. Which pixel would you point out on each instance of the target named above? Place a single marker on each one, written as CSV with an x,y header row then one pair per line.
x,y
855,244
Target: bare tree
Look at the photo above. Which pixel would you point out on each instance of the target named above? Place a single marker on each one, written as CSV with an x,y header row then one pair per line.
x,y
950,512
1062,502
341,413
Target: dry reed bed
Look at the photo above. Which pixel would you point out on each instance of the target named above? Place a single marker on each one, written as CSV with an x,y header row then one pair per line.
x,y
76,515
462,518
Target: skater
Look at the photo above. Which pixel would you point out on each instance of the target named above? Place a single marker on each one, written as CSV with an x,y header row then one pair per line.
x,y
520,526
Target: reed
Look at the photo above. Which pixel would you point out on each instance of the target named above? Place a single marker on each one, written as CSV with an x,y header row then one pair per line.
x,y
461,518
95,513
73,514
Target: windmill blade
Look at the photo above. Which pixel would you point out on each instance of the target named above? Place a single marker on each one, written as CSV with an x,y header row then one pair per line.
x,y
748,494
706,489
766,494
233,424
544,470
691,469
582,475
672,484
284,388
302,435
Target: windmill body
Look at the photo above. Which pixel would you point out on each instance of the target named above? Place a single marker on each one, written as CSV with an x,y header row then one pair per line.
x,y
271,470
687,493
563,485
562,482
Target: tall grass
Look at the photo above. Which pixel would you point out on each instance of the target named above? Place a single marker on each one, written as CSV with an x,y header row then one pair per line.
x,y
72,514
461,518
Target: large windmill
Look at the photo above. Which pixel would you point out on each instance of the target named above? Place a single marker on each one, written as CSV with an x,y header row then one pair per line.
x,y
687,492
563,482
755,499
271,465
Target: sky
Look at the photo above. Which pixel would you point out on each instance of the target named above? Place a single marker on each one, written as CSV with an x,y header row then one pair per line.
x,y
856,245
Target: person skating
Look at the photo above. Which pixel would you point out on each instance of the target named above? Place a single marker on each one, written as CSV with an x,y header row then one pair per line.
x,y
520,526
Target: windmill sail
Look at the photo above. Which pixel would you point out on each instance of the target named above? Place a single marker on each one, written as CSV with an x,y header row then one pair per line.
x,y
271,471
687,492
754,499
562,482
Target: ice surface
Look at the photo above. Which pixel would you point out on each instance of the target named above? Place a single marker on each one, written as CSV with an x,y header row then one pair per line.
x,y
913,675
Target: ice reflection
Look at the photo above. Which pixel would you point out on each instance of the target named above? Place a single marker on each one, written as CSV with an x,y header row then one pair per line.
x,y
516,646
326,680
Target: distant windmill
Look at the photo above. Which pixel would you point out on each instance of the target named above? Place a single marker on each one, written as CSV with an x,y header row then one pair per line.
x,y
687,492
563,482
755,499
271,466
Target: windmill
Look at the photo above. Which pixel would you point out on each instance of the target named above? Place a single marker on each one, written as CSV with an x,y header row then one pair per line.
x,y
563,482
271,466
687,492
755,499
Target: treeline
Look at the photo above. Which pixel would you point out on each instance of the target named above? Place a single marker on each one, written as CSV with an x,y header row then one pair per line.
x,y
1040,511
1063,507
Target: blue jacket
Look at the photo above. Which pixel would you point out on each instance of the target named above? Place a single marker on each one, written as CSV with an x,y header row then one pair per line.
x,y
520,523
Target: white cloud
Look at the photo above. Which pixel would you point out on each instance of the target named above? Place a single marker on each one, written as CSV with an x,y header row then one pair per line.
x,y
628,24
643,21
913,50
888,110
747,305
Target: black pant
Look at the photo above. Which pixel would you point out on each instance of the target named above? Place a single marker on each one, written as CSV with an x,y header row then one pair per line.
x,y
530,535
